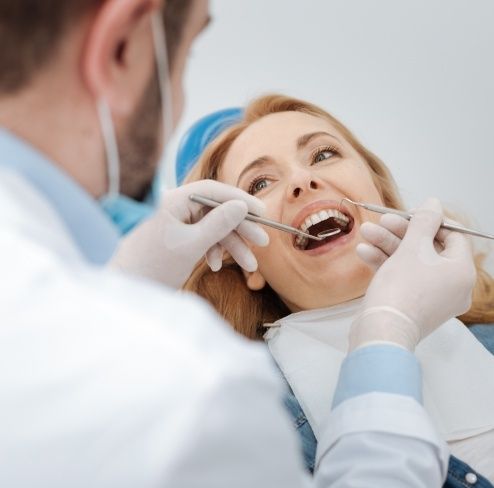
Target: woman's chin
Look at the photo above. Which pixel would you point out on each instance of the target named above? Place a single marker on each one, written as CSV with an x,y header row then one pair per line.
x,y
337,283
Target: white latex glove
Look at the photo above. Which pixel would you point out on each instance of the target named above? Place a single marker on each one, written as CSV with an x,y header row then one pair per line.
x,y
168,246
420,286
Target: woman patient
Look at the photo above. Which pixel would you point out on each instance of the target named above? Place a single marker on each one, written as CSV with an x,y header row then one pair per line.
x,y
304,295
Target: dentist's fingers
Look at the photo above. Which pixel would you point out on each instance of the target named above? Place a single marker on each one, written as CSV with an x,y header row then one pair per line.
x,y
398,226
253,233
394,223
214,257
372,256
220,192
425,224
380,237
232,243
220,222
239,251
456,245
443,234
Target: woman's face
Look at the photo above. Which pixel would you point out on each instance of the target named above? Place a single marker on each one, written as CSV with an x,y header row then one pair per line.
x,y
301,167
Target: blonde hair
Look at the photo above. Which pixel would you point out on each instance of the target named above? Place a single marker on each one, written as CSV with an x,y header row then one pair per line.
x,y
227,291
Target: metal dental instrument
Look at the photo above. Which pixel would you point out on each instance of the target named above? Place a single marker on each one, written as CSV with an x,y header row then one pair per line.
x,y
271,223
408,216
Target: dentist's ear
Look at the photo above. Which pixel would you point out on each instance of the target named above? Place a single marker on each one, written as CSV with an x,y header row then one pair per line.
x,y
254,280
118,57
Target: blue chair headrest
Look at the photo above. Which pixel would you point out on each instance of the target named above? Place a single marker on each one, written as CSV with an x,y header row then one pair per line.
x,y
200,135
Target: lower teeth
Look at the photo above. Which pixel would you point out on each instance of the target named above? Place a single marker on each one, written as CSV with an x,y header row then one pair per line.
x,y
301,242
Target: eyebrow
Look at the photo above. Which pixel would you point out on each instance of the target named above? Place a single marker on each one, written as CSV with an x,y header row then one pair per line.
x,y
257,163
302,141
305,139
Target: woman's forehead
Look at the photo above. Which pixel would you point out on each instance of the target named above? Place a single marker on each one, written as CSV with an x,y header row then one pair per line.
x,y
274,135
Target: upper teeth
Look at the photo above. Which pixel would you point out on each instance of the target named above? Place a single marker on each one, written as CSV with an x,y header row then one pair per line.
x,y
321,215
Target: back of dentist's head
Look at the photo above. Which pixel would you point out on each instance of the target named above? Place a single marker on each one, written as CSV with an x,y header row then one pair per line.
x,y
32,33
60,59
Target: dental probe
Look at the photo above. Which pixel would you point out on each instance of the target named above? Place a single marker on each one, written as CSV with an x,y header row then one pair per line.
x,y
271,223
408,216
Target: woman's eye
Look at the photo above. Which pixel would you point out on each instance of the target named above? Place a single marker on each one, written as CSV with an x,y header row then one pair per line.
x,y
323,155
257,185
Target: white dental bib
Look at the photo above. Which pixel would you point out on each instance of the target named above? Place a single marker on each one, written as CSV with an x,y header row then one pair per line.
x,y
458,372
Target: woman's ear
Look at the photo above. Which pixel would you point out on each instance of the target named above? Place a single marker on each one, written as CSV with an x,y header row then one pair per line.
x,y
254,280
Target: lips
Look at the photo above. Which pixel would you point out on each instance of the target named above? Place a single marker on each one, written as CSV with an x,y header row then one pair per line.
x,y
319,217
316,207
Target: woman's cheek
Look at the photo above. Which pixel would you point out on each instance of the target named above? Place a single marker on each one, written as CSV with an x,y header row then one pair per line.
x,y
264,254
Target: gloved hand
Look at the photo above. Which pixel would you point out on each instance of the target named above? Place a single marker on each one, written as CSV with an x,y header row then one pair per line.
x,y
420,286
167,247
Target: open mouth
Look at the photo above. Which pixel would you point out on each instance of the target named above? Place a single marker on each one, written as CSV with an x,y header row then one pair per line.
x,y
323,221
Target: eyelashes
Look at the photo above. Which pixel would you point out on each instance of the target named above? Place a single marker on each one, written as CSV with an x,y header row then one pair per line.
x,y
320,151
254,184
319,155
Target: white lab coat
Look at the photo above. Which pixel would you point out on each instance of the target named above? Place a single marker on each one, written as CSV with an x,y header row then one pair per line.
x,y
106,381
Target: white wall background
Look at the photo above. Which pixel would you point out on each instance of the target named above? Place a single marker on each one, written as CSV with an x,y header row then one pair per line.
x,y
413,79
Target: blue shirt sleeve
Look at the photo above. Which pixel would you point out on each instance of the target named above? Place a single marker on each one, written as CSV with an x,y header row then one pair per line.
x,y
379,368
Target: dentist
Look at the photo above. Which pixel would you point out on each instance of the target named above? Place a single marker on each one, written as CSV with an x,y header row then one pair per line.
x,y
109,380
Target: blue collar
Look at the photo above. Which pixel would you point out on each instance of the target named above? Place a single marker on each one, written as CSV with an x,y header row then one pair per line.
x,y
91,230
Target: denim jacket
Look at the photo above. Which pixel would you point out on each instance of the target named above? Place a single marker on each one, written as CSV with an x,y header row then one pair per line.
x,y
460,475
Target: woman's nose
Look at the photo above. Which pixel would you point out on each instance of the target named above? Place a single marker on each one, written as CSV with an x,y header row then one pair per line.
x,y
302,182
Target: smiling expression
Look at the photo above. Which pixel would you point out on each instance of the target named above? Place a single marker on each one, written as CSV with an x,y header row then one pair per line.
x,y
301,166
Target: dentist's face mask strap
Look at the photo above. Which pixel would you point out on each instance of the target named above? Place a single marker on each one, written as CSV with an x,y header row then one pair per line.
x,y
123,211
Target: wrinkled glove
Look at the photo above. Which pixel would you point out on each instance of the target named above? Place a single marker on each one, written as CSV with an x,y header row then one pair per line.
x,y
420,283
167,247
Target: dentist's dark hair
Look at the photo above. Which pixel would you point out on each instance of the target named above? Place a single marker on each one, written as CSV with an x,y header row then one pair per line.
x,y
31,32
